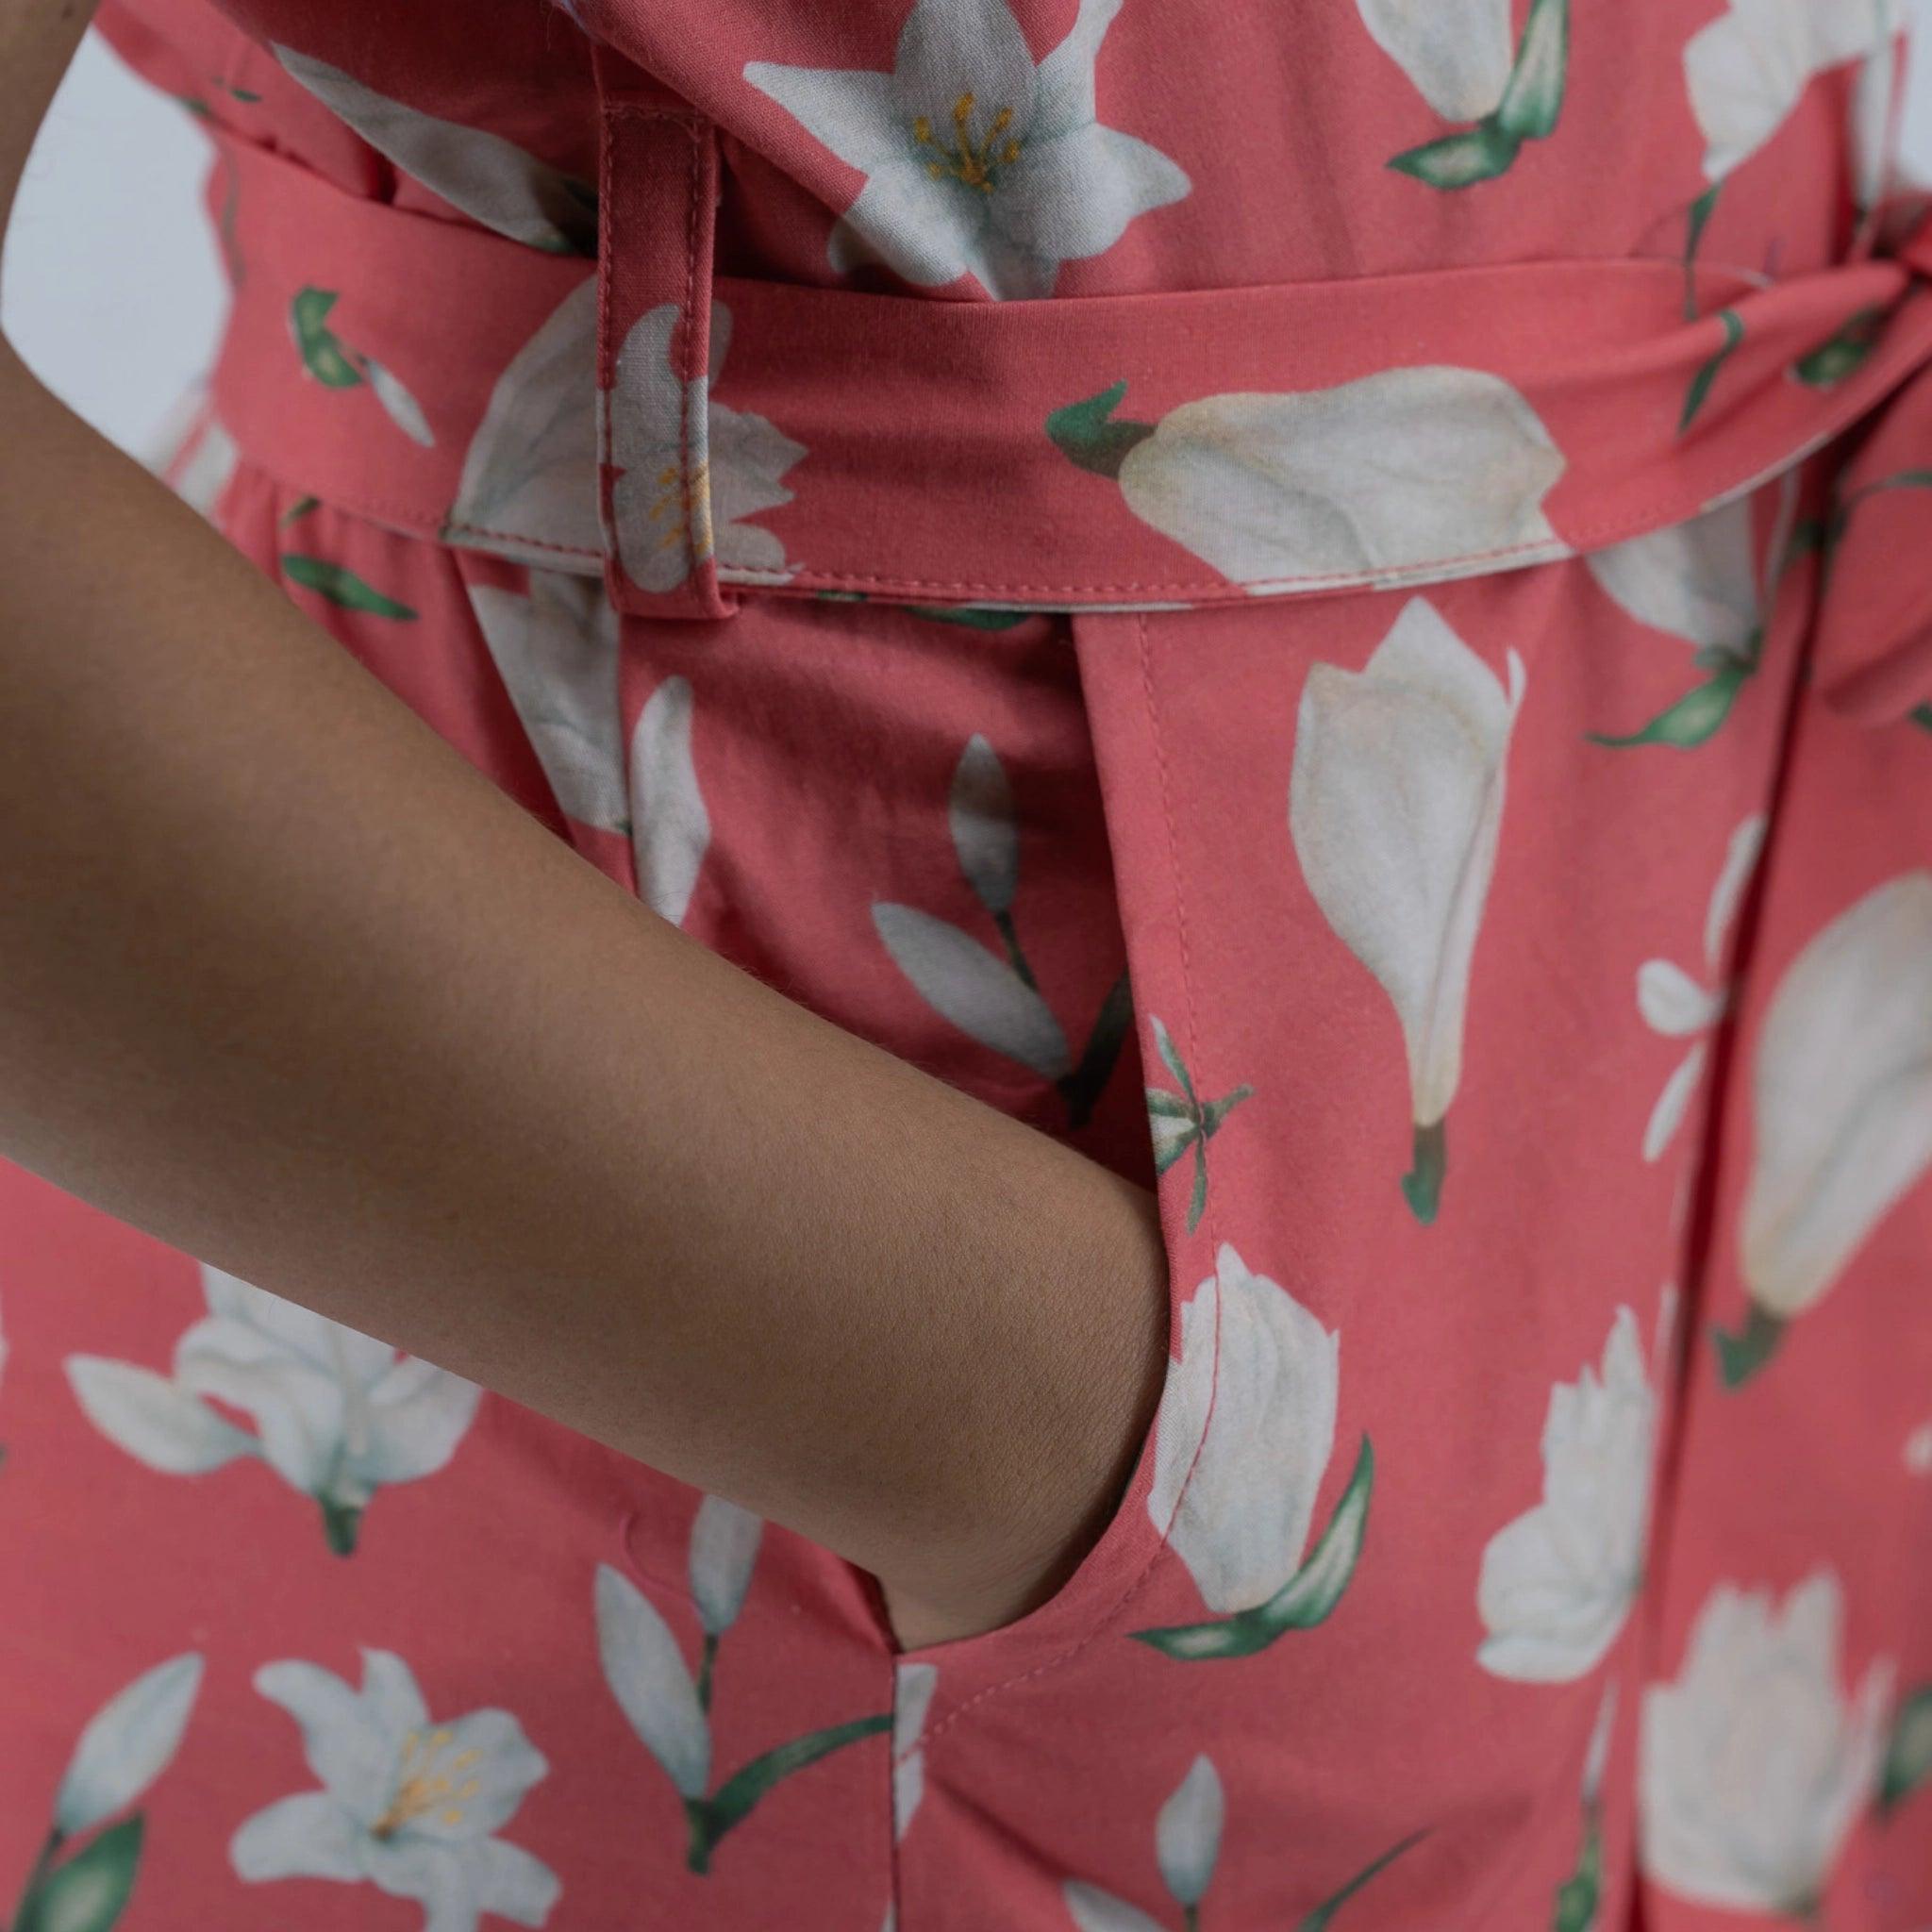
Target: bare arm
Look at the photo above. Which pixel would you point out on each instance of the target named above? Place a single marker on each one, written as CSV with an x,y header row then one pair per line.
x,y
289,984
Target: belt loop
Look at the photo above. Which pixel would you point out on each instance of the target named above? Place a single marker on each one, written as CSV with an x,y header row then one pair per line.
x,y
657,194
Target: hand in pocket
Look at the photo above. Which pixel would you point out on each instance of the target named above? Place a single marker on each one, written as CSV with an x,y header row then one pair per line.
x,y
1062,1469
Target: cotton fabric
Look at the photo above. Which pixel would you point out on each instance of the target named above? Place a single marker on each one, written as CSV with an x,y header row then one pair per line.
x,y
1325,604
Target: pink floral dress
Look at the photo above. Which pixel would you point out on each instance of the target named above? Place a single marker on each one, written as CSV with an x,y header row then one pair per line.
x,y
1325,600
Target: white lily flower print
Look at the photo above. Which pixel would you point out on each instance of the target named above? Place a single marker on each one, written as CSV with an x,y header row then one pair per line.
x,y
128,1744
1457,52
1841,1093
1754,1764
125,1746
692,469
1261,1376
670,827
978,160
409,1805
1681,1008
994,996
491,179
1556,1584
913,1687
556,652
1695,581
653,1685
1873,128
1187,1833
338,364
1244,1519
1395,807
669,1705
1746,72
642,1663
969,985
401,406
1596,1757
337,1413
1748,68
724,1539
529,483
1187,1848
1406,475
1463,61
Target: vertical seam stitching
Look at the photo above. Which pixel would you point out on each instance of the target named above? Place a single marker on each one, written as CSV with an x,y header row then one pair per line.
x,y
1147,1572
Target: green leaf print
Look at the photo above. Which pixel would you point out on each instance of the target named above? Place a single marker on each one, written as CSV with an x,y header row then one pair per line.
x,y
1301,1603
1811,537
711,1818
1081,1088
1693,719
1921,716
1422,1186
335,364
1579,1896
669,1710
1218,1111
1087,433
1318,1920
1844,353
1742,1354
1163,1042
340,585
1830,532
300,508
1699,391
1531,103
1698,218
341,1522
323,355
1460,160
1908,1759
88,1892
1181,1124
1534,98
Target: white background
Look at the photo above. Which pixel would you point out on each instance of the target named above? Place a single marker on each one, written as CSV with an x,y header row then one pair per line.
x,y
114,290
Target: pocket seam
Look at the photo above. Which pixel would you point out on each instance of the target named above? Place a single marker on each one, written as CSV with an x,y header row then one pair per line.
x,y
1105,1619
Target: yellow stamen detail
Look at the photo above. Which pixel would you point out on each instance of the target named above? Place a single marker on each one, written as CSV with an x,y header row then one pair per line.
x,y
971,162
422,1786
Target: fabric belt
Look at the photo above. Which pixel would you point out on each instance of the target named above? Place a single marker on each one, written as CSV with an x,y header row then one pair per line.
x,y
692,435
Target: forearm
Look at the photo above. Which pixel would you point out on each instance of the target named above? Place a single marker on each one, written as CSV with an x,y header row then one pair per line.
x,y
288,983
